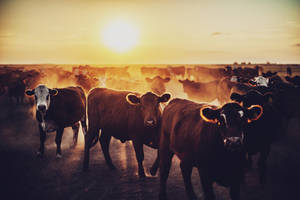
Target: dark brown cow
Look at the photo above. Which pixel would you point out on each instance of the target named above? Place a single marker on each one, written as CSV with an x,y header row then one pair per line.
x,y
157,84
124,116
208,138
260,134
57,109
203,92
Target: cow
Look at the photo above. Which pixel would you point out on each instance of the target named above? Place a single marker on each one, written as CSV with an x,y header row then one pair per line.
x,y
208,138
157,84
124,116
260,134
294,80
57,109
198,91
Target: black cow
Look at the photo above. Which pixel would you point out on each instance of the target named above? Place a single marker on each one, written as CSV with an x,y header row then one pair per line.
x,y
57,109
125,116
208,138
260,134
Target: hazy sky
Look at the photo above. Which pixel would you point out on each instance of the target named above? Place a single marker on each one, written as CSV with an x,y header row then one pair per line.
x,y
175,31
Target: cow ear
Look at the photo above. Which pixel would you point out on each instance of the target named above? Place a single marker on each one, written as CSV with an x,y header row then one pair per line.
x,y
209,115
164,98
254,112
30,92
149,80
167,80
53,92
133,99
237,97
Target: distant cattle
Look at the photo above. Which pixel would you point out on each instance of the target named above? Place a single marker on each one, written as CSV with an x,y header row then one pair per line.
x,y
260,134
157,84
294,80
208,138
125,116
57,109
86,82
206,74
155,71
198,91
177,71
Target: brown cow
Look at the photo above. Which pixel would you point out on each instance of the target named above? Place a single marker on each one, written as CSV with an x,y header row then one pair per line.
x,y
203,92
157,84
57,109
205,137
124,116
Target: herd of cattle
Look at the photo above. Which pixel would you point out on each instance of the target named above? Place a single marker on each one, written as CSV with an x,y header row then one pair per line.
x,y
218,140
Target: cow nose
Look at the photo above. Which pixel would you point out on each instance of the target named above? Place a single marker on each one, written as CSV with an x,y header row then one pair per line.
x,y
233,142
42,108
150,122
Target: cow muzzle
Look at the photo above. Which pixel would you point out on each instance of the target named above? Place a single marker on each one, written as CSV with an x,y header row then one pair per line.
x,y
41,108
150,123
233,143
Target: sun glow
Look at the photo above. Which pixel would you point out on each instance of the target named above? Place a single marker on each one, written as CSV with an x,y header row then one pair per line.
x,y
120,36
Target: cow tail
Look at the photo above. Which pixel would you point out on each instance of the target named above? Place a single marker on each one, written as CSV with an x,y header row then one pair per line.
x,y
95,139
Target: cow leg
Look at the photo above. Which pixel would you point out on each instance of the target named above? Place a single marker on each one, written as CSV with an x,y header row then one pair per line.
x,y
249,161
83,125
186,171
75,129
206,185
88,140
139,153
165,162
155,165
235,192
262,164
59,134
104,142
42,141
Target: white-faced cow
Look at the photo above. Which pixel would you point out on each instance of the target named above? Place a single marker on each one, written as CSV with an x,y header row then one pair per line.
x,y
125,116
57,109
208,138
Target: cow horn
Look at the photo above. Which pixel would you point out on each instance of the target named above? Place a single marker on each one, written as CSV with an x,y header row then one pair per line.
x,y
205,118
259,115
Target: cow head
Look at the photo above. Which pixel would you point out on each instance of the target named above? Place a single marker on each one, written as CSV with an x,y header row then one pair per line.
x,y
42,97
150,106
259,81
231,120
253,97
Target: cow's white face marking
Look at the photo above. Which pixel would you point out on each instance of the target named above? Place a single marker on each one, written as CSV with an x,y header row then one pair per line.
x,y
241,113
234,79
261,81
42,96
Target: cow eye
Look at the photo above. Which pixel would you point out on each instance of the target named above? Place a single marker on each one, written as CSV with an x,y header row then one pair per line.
x,y
48,97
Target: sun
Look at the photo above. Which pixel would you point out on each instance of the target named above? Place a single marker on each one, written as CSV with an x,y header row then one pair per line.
x,y
120,36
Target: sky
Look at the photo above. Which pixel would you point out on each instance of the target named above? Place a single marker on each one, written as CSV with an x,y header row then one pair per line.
x,y
170,31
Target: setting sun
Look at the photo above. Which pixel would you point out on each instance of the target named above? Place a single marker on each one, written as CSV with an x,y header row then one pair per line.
x,y
120,36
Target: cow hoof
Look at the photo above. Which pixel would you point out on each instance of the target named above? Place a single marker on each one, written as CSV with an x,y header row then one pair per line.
x,y
58,156
142,175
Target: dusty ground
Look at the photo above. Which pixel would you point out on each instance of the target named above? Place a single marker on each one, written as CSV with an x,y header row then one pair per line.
x,y
24,176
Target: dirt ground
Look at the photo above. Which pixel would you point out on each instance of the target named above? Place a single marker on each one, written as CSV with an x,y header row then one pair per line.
x,y
25,176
